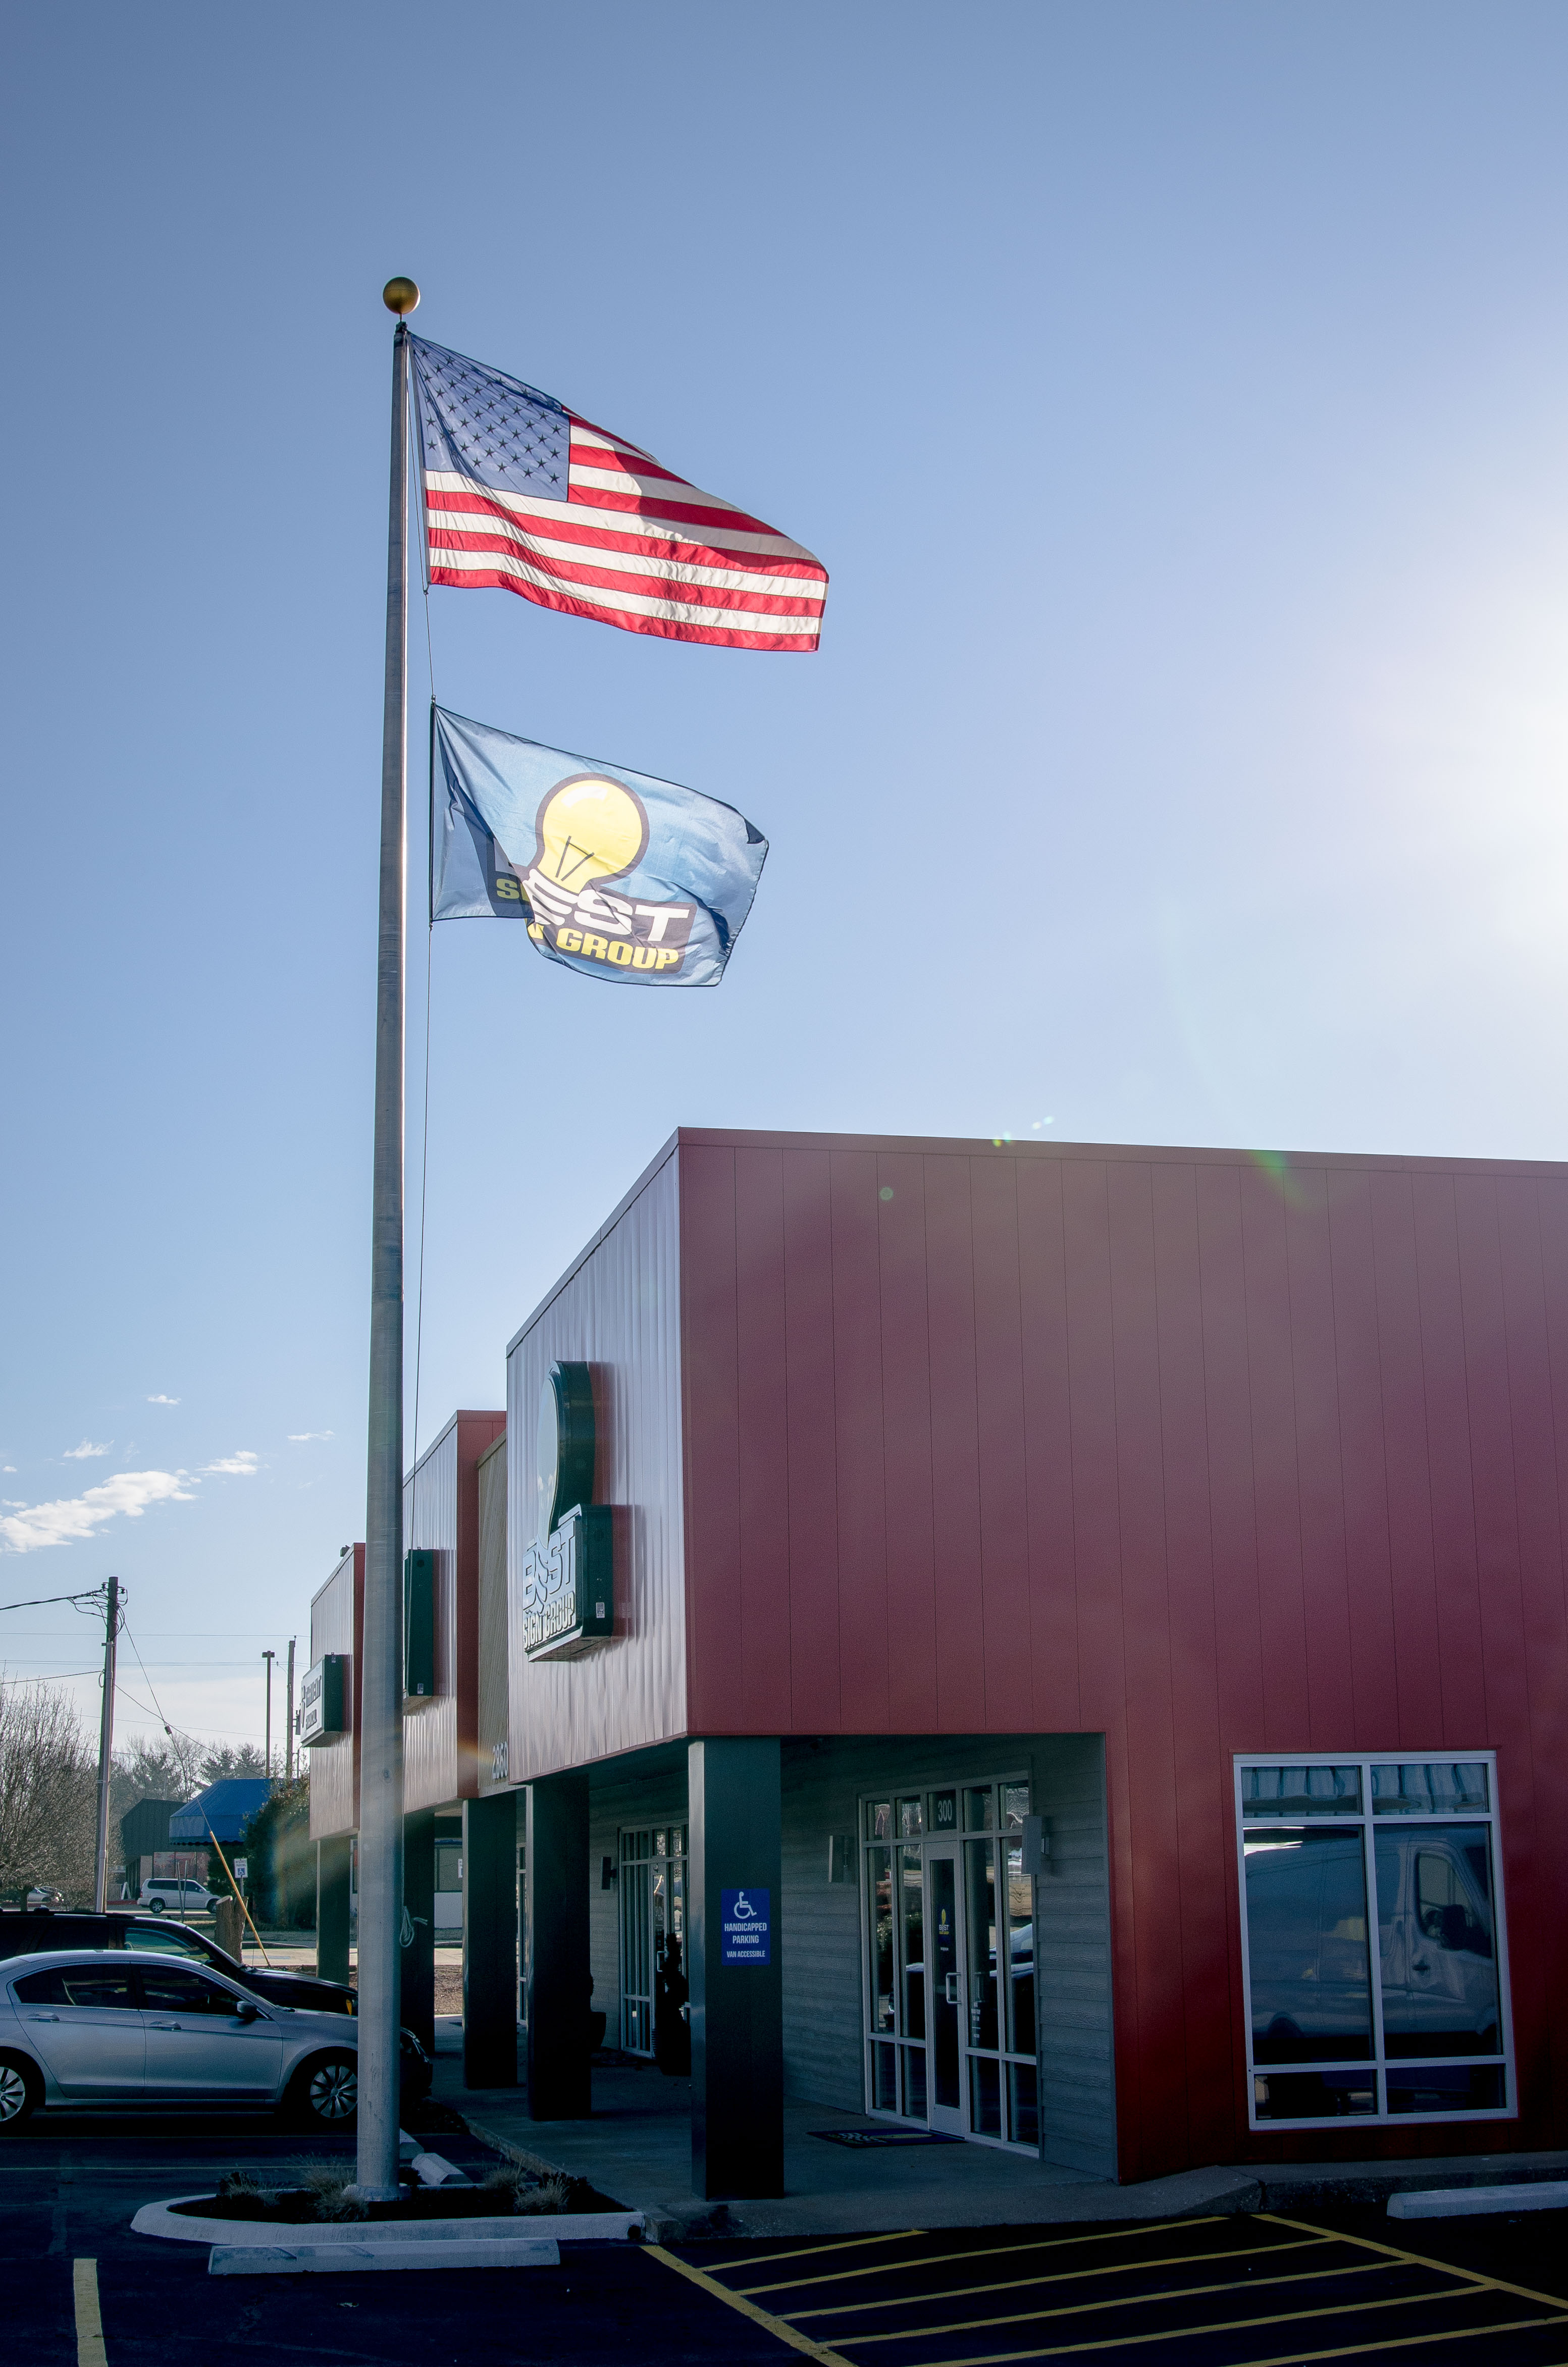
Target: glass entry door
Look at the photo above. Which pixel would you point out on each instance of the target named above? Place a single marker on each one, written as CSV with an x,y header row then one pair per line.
x,y
653,1928
951,1976
948,2009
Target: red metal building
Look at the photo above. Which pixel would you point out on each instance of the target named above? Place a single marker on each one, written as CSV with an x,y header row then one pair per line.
x,y
1102,1607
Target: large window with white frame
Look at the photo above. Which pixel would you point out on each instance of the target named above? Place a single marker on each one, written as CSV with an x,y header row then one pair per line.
x,y
1373,1945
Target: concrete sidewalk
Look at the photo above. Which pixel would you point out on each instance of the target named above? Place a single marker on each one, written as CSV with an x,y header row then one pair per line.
x,y
637,2149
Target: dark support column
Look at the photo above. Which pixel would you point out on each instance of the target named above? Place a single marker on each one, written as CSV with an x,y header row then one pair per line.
x,y
558,1972
490,1941
737,2007
419,1911
333,1859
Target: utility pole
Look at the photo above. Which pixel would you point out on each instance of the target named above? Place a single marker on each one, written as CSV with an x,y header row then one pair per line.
x,y
106,1743
288,1729
269,1658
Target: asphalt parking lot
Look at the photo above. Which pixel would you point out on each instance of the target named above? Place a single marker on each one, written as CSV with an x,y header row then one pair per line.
x,y
1258,2290
68,2193
1268,2290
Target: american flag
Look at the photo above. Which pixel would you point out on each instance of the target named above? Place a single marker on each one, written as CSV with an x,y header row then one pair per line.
x,y
522,494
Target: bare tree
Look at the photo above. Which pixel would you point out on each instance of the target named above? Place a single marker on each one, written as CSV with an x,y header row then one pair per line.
x,y
48,1793
148,1770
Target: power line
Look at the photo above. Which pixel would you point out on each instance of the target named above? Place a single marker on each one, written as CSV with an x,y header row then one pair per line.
x,y
34,1602
157,1705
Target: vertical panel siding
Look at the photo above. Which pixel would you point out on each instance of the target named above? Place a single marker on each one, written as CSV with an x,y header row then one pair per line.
x,y
337,1624
430,1519
440,1511
617,1311
492,1723
1204,1453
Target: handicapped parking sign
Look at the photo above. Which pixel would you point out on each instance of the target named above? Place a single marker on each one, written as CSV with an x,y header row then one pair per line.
x,y
745,1926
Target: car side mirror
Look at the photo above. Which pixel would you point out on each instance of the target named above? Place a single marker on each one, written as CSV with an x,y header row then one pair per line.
x,y
247,2009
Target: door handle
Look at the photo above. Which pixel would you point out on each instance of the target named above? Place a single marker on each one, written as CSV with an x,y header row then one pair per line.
x,y
43,2017
951,1989
163,2025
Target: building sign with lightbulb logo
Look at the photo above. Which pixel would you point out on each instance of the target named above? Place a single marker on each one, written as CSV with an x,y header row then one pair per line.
x,y
612,872
568,1591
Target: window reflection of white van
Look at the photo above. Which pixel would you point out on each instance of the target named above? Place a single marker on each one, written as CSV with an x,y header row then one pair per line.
x,y
1307,1944
1439,1969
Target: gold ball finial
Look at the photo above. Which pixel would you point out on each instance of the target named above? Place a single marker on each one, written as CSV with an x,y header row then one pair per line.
x,y
399,296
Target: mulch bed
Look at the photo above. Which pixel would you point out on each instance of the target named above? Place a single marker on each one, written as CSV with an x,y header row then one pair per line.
x,y
297,2207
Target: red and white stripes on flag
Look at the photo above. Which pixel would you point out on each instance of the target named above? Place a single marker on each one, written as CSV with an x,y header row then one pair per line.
x,y
522,494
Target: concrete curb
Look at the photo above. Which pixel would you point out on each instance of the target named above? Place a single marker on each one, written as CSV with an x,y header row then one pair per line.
x,y
339,2259
231,2235
1474,2202
1344,2184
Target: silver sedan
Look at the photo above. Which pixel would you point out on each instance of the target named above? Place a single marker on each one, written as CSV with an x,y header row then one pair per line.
x,y
95,2028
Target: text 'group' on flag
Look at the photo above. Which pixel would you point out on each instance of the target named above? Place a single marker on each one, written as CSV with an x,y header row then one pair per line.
x,y
615,873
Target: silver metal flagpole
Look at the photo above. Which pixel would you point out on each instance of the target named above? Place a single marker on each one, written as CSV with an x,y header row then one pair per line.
x,y
380,1703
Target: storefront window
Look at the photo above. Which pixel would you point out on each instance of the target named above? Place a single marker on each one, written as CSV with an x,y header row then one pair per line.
x,y
1415,2026
910,1820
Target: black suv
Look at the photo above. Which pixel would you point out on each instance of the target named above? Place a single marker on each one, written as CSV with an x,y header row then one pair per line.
x,y
26,1931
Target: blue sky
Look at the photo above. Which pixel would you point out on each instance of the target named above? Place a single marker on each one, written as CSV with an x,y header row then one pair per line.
x,y
1179,398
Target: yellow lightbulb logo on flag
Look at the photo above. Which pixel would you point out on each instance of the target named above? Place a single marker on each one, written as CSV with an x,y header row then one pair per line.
x,y
590,828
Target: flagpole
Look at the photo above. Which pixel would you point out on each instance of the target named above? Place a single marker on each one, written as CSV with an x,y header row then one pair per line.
x,y
381,1703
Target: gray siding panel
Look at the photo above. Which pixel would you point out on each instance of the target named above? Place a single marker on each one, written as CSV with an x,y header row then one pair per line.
x,y
819,1921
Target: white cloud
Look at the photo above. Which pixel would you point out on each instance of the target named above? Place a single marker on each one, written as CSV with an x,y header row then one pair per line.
x,y
77,1516
243,1464
86,1451
301,1437
161,1400
8,1466
14,1503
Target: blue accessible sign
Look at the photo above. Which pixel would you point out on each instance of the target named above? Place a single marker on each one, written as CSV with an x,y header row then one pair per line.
x,y
744,1920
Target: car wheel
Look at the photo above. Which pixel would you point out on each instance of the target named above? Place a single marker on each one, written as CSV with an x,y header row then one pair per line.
x,y
156,1905
326,2093
21,2091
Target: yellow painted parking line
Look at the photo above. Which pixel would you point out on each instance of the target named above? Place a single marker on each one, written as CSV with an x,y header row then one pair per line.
x,y
801,2342
976,2252
1066,2277
1420,2260
810,2251
1278,2358
89,2324
1146,2301
1394,2342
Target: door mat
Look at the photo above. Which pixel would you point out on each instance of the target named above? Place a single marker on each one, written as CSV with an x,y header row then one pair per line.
x,y
884,2136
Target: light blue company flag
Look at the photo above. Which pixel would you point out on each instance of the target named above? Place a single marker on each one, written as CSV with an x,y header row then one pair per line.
x,y
615,873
